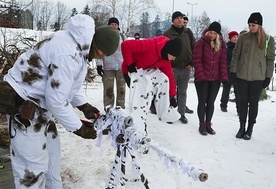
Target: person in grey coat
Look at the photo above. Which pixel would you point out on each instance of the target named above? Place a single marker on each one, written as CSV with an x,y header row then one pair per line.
x,y
252,67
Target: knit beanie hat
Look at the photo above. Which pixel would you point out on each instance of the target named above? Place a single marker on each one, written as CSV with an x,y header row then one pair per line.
x,y
255,18
231,34
185,17
176,14
173,47
137,36
106,39
113,20
215,26
158,32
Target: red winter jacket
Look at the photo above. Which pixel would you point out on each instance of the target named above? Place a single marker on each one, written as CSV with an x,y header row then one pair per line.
x,y
208,64
146,54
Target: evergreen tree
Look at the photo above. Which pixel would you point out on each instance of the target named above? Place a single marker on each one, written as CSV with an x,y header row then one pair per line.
x,y
167,22
156,25
74,12
145,25
86,10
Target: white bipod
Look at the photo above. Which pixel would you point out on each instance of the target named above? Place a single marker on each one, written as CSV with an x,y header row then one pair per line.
x,y
122,132
125,138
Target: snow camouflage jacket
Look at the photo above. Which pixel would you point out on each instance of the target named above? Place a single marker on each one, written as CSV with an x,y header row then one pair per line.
x,y
147,54
209,65
51,73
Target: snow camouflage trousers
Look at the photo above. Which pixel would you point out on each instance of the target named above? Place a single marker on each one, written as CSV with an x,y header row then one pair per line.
x,y
144,85
35,152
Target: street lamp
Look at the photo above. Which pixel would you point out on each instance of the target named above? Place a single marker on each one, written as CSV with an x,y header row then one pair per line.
x,y
192,4
173,7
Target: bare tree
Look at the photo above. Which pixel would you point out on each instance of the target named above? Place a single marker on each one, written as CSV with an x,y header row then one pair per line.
x,y
62,14
135,7
200,24
125,10
42,13
100,14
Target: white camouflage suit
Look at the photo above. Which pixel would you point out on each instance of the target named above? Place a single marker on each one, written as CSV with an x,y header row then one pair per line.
x,y
51,75
144,84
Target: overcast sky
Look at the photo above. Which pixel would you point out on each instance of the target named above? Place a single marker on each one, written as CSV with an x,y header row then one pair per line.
x,y
233,14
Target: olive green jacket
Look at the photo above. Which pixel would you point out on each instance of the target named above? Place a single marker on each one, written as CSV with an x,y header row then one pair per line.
x,y
249,61
188,42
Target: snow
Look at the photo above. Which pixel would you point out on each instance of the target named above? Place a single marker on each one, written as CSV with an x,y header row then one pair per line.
x,y
229,162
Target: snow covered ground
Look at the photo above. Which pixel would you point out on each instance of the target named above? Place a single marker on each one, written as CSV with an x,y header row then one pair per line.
x,y
230,163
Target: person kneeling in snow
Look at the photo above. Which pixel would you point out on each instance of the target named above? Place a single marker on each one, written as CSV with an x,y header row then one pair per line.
x,y
148,72
48,79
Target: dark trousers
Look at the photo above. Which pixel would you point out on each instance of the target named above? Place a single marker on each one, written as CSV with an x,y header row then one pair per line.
x,y
250,92
225,95
206,93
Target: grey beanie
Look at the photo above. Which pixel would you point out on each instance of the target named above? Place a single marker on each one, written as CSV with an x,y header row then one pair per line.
x,y
106,39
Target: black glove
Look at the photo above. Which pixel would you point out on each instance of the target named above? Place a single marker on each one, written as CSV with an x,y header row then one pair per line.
x,y
233,77
173,102
100,70
266,82
127,79
87,130
90,112
132,68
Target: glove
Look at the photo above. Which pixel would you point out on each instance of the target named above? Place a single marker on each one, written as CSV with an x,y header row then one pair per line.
x,y
100,70
266,82
233,77
173,102
127,79
87,130
89,111
132,68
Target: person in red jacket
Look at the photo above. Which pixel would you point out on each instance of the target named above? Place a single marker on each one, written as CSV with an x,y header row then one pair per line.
x,y
210,64
148,72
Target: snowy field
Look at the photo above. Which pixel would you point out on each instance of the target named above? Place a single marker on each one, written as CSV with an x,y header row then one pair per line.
x,y
229,162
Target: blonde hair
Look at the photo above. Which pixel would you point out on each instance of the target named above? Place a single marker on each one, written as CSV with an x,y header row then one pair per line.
x,y
216,43
261,37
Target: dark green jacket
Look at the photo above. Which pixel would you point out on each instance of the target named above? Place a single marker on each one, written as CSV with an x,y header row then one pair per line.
x,y
249,61
188,42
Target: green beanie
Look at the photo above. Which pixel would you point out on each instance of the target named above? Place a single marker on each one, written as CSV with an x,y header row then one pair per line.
x,y
106,39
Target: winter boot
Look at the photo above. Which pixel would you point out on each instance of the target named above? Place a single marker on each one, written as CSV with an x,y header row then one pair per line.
x,y
248,133
209,129
202,128
183,119
241,131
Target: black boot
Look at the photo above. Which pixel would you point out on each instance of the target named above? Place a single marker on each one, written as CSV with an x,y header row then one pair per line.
x,y
248,133
241,131
209,129
202,128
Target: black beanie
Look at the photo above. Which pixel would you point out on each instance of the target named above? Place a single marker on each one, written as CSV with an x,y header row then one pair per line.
x,y
176,14
215,26
172,47
113,20
255,18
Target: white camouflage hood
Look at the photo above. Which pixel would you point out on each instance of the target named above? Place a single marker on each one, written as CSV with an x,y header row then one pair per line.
x,y
82,28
